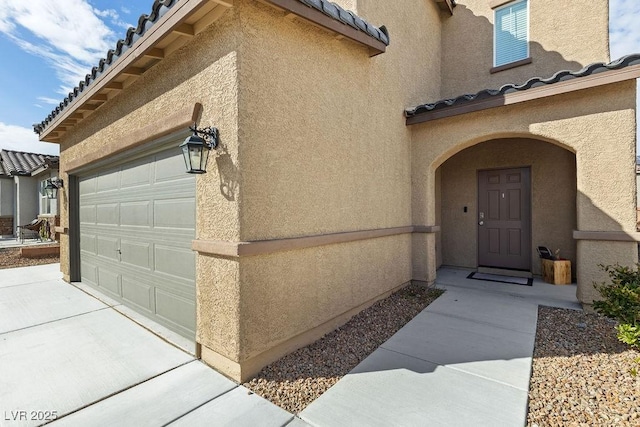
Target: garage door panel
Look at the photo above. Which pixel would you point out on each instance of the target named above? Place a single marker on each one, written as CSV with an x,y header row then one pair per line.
x,y
175,309
108,181
175,261
89,272
178,213
107,247
88,243
108,214
136,175
109,280
137,223
138,293
136,254
170,168
136,214
88,187
88,214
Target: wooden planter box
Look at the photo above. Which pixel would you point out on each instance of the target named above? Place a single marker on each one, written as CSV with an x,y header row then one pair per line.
x,y
39,251
556,272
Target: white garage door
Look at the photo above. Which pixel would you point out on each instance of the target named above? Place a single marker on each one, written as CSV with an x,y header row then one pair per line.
x,y
137,221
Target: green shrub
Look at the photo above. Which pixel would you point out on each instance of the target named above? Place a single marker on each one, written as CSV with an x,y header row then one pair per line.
x,y
629,334
621,301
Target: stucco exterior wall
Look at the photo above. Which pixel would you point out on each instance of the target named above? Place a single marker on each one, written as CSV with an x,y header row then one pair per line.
x,y
26,199
325,138
553,197
598,125
323,149
564,35
6,197
289,293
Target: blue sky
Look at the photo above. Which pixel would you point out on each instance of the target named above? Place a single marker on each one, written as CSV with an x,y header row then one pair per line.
x,y
48,46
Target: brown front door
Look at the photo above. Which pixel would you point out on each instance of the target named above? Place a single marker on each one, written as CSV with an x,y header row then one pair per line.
x,y
504,218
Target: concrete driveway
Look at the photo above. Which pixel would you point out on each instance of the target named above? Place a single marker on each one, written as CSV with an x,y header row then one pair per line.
x,y
70,358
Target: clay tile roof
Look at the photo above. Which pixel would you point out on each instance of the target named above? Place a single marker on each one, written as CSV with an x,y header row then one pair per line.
x,y
560,76
349,18
20,163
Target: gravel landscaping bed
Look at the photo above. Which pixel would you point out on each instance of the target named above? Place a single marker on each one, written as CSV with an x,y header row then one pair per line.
x,y
10,258
299,378
581,373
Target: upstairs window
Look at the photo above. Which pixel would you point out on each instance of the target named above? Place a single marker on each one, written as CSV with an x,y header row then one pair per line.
x,y
511,33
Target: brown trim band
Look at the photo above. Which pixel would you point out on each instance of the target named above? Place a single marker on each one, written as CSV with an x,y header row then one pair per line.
x,y
511,65
325,21
611,236
263,247
426,228
579,83
180,120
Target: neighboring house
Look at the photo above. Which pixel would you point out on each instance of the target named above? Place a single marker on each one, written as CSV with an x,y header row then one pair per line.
x,y
22,180
350,162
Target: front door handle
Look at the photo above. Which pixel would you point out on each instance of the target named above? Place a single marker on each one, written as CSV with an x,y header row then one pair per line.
x,y
481,223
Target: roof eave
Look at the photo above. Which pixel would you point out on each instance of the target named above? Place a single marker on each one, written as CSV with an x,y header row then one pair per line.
x,y
316,17
587,82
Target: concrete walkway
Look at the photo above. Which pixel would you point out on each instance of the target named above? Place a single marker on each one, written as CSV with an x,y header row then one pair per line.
x,y
463,361
65,354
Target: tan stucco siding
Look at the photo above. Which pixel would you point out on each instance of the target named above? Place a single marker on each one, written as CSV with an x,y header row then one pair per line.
x,y
564,35
218,309
553,197
325,148
598,125
288,293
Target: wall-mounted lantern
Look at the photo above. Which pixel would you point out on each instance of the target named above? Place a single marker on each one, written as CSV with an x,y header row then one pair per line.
x,y
196,147
52,187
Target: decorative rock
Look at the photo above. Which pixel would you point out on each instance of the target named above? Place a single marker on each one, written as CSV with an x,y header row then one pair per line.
x,y
581,378
299,378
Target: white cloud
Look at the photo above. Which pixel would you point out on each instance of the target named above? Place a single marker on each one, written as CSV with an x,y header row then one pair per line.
x,y
19,138
72,39
114,17
52,101
624,30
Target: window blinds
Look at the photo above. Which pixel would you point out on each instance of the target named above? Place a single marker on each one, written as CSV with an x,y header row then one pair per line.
x,y
511,33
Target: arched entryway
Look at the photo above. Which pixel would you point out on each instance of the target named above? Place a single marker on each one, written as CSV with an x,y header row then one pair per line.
x,y
497,200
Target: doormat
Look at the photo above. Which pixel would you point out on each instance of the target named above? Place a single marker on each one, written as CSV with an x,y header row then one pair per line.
x,y
502,279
